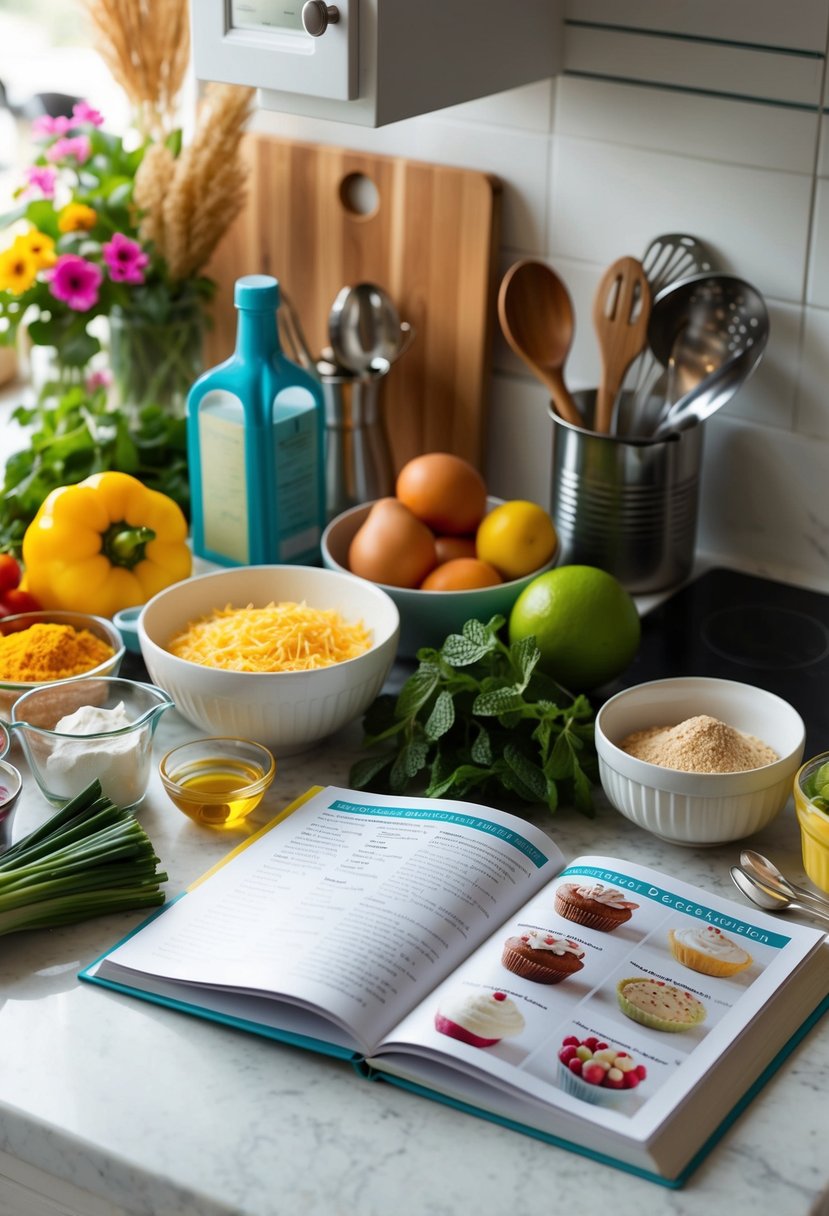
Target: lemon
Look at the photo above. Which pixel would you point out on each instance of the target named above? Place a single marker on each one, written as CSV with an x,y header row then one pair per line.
x,y
516,538
584,621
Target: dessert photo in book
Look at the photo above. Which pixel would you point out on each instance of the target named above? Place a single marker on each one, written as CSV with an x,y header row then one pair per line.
x,y
449,949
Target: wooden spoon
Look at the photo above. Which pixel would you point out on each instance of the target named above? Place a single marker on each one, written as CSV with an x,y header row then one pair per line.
x,y
620,316
536,315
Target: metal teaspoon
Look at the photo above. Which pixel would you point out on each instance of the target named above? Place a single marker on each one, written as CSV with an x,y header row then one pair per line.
x,y
767,899
767,872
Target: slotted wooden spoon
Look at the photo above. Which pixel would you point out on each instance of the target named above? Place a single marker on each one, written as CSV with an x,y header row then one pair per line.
x,y
621,310
536,315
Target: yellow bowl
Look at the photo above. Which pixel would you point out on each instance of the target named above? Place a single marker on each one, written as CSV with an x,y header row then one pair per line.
x,y
814,824
218,782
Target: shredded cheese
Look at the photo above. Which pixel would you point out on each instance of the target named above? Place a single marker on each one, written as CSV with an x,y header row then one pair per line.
x,y
279,637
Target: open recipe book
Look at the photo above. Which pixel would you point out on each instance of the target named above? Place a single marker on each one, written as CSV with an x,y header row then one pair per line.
x,y
447,948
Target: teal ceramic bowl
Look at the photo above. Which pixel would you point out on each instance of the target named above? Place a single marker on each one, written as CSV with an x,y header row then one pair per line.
x,y
426,617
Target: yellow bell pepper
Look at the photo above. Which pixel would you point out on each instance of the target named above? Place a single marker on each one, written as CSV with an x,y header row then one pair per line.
x,y
105,544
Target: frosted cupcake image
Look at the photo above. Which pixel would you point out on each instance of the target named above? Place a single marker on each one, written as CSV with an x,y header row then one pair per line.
x,y
707,949
541,957
593,905
480,1019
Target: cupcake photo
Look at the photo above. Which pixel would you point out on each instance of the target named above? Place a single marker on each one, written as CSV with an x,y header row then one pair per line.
x,y
659,1005
542,957
480,1019
707,949
593,905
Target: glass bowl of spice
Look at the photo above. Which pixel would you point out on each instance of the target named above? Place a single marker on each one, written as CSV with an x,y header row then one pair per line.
x,y
102,727
218,782
696,760
48,647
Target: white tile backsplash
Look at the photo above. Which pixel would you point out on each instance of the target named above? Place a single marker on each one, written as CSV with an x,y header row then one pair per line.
x,y
606,200
593,168
720,68
686,124
801,26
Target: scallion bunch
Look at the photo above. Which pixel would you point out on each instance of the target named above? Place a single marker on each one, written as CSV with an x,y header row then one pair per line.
x,y
89,858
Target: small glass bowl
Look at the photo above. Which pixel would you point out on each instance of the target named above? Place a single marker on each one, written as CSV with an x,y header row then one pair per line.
x,y
11,783
814,824
218,781
99,626
65,763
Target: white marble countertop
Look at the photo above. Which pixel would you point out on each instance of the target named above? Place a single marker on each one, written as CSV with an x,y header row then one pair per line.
x,y
112,1105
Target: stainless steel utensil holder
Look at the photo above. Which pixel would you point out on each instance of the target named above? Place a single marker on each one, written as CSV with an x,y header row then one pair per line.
x,y
358,464
628,505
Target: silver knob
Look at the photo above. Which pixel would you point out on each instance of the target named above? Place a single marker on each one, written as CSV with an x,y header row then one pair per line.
x,y
317,16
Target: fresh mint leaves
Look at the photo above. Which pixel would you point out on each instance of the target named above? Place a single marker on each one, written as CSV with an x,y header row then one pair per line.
x,y
478,715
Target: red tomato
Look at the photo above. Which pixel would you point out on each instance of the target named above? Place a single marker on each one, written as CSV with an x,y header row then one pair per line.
x,y
9,572
15,600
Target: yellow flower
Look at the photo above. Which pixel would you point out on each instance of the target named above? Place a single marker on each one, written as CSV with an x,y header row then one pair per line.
x,y
18,268
40,246
77,217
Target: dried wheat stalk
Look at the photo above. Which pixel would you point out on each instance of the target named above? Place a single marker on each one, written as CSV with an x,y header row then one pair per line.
x,y
189,202
146,46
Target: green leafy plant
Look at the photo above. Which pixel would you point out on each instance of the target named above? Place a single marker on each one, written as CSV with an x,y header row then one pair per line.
x,y
478,715
80,435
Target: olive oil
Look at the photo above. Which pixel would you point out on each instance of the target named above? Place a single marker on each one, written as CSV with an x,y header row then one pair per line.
x,y
218,792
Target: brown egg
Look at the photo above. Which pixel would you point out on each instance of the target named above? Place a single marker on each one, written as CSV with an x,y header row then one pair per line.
x,y
449,547
392,546
461,574
445,491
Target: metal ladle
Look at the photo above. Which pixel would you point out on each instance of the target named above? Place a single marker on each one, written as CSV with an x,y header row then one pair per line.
x,y
706,397
770,900
364,328
767,873
708,327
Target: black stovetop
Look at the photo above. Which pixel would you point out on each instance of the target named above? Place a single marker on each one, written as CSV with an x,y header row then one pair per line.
x,y
740,627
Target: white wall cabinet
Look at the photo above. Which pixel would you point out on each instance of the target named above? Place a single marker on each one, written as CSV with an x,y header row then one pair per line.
x,y
373,62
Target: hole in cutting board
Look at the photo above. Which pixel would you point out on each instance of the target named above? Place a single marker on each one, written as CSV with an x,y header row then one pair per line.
x,y
359,195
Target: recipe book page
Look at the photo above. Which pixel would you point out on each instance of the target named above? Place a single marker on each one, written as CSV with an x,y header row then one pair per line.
x,y
354,905
661,989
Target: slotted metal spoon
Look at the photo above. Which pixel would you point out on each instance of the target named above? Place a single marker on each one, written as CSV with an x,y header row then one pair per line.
x,y
709,331
666,261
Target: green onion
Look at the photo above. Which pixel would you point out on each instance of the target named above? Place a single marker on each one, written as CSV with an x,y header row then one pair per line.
x,y
91,857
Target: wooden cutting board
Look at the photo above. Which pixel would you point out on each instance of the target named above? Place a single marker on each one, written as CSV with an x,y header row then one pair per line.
x,y
318,218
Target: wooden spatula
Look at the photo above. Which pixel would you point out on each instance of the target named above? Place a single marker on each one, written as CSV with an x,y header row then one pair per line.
x,y
620,317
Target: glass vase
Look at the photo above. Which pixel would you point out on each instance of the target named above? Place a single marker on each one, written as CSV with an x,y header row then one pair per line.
x,y
154,363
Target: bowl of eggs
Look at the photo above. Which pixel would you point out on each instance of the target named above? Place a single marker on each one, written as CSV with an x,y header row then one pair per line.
x,y
281,655
442,548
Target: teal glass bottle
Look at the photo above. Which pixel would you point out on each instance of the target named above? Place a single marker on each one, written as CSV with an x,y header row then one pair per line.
x,y
255,445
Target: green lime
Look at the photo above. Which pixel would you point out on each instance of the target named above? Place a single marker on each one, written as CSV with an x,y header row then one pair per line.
x,y
585,622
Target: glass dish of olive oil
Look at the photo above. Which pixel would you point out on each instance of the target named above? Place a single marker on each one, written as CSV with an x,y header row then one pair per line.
x,y
217,782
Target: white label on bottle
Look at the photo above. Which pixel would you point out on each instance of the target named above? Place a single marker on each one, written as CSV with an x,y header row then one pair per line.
x,y
297,472
224,485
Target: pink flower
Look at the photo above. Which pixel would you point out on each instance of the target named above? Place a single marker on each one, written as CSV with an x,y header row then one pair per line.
x,y
45,126
126,259
77,146
75,281
102,378
42,178
82,111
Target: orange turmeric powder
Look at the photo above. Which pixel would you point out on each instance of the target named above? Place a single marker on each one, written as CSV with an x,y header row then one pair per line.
x,y
46,651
